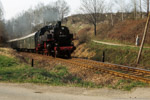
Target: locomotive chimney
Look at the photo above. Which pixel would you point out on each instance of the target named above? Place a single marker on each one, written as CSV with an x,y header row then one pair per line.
x,y
59,24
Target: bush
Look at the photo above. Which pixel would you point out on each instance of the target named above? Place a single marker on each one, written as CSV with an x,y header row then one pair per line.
x,y
84,38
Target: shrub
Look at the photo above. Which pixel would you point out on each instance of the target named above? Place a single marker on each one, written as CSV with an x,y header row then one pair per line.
x,y
84,38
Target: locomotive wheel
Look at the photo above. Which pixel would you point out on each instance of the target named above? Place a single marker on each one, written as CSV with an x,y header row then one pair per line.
x,y
54,54
69,55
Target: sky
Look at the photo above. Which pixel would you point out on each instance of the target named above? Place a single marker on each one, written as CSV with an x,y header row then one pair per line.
x,y
14,7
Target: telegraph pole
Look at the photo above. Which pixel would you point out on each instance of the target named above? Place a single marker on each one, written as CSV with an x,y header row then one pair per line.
x,y
143,40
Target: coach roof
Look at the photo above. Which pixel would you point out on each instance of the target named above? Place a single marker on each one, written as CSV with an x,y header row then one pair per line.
x,y
22,38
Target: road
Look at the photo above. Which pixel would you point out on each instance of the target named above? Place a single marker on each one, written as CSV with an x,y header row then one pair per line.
x,y
41,92
115,44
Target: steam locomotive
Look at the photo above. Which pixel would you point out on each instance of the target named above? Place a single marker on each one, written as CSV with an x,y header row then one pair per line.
x,y
54,40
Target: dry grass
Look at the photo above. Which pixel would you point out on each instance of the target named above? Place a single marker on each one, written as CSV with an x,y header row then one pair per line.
x,y
82,52
85,74
125,31
7,52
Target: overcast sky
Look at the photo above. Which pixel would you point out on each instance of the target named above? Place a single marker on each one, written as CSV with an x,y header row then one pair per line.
x,y
13,7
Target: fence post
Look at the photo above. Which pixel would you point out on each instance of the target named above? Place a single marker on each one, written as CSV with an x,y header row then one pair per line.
x,y
32,63
103,56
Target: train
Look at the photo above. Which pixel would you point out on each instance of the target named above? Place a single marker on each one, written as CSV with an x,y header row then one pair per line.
x,y
54,40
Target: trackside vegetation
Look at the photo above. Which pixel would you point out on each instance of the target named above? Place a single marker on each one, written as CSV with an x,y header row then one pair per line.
x,y
13,71
127,85
123,55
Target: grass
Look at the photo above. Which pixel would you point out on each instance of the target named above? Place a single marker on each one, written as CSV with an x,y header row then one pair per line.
x,y
7,62
120,55
128,85
12,71
124,56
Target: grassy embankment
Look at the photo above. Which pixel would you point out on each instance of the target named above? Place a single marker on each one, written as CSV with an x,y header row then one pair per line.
x,y
123,55
13,71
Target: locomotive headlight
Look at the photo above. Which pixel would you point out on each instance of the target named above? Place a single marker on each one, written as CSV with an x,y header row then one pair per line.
x,y
48,45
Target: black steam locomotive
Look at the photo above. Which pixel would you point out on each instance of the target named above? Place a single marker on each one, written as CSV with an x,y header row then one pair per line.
x,y
54,40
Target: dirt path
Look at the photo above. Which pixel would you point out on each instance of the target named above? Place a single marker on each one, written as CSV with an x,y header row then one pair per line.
x,y
41,92
115,44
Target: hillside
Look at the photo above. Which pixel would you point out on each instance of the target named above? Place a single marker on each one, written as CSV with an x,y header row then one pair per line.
x,y
122,31
125,31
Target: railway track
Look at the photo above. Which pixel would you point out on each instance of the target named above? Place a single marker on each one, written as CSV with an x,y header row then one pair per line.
x,y
138,74
132,70
112,69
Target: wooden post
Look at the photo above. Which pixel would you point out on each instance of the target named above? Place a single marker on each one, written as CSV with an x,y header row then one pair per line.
x,y
103,57
32,63
143,40
112,21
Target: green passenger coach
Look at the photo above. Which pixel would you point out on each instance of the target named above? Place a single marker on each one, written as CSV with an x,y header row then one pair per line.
x,y
27,42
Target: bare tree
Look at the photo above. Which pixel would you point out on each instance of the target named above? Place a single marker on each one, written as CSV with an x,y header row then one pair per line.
x,y
135,9
2,28
148,7
135,6
63,9
140,8
93,10
121,4
146,4
110,10
1,10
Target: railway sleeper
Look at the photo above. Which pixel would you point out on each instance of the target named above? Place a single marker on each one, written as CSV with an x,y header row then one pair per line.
x,y
111,72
